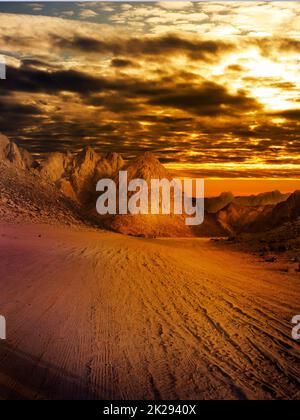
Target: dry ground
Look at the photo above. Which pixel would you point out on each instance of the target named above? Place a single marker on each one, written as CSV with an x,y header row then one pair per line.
x,y
100,315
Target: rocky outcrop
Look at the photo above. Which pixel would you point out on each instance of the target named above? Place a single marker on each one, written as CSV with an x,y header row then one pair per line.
x,y
76,175
215,204
55,166
236,218
147,168
25,197
287,211
262,199
11,153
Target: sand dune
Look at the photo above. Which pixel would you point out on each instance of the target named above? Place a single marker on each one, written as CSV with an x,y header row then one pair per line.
x,y
100,315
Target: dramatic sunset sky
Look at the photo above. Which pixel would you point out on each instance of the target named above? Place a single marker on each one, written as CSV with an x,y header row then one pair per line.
x,y
211,88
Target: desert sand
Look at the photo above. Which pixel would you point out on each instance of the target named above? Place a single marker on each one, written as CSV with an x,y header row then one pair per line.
x,y
93,314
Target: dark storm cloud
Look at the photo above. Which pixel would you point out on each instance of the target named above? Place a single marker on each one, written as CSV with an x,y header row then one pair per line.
x,y
35,80
205,99
38,64
164,119
133,101
120,62
127,97
15,116
208,99
113,102
9,107
151,46
28,79
290,114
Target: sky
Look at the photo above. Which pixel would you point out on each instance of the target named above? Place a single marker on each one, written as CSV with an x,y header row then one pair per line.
x,y
211,88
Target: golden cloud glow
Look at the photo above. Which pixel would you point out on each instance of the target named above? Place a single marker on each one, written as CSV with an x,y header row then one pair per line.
x,y
209,87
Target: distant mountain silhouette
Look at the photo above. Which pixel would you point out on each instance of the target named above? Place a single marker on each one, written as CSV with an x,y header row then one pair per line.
x,y
287,211
263,199
235,218
215,204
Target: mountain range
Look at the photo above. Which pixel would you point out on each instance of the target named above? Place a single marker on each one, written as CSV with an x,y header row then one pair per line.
x,y
70,179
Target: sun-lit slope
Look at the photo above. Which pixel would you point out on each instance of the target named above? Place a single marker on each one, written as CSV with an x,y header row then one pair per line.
x,y
76,174
147,167
27,198
100,315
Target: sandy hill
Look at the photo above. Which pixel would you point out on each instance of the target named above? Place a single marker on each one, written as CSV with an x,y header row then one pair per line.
x,y
25,196
147,167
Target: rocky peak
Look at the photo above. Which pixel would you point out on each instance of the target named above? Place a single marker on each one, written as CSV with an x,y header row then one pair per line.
x,y
86,158
147,167
54,166
17,156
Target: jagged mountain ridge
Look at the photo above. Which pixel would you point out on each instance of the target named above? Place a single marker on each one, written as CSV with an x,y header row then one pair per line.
x,y
215,204
18,156
236,218
76,175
